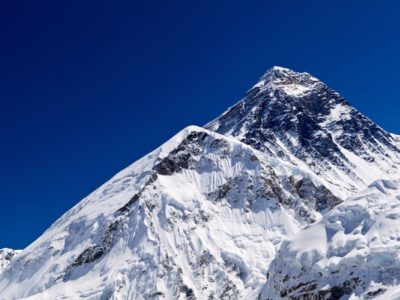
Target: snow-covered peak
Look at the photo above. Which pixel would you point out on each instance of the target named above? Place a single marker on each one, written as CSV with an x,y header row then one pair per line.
x,y
293,84
300,119
282,72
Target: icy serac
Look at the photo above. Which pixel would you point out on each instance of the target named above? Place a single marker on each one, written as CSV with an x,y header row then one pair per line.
x,y
354,250
223,212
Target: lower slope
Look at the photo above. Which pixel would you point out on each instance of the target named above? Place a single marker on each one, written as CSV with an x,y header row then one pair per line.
x,y
354,250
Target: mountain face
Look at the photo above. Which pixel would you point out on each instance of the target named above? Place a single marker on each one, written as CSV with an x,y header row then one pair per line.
x,y
300,119
176,224
290,194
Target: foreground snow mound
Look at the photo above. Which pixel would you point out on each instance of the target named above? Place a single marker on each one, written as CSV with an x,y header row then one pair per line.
x,y
353,251
201,217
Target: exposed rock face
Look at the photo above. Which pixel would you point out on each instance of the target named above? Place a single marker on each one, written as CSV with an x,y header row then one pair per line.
x,y
252,207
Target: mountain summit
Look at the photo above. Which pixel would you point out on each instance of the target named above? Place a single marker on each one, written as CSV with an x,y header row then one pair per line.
x,y
274,199
287,81
300,119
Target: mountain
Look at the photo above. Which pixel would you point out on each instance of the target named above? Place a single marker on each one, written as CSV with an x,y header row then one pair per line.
x,y
225,211
300,119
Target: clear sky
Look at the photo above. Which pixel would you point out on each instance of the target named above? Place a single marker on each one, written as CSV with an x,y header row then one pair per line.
x,y
87,87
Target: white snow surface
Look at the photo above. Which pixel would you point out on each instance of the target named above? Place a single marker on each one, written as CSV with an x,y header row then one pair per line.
x,y
6,255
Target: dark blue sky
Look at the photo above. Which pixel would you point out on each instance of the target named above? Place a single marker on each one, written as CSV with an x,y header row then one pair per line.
x,y
87,87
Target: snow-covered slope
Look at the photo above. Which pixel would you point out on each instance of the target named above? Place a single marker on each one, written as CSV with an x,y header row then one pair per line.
x,y
200,217
6,255
297,117
354,250
204,215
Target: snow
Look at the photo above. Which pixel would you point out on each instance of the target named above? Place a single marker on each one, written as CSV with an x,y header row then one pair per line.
x,y
337,113
311,241
359,239
287,81
6,256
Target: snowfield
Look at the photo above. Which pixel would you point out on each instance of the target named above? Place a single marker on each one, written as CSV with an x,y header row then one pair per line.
x,y
289,194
